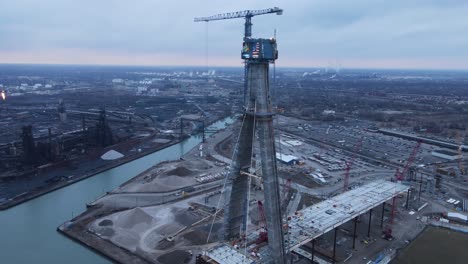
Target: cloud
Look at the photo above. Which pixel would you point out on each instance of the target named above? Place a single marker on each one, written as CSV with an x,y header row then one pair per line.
x,y
310,30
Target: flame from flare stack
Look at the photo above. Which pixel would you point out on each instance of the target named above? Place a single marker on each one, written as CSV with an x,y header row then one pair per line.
x,y
3,95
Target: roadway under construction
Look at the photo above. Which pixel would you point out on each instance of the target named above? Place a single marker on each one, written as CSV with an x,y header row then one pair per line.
x,y
314,221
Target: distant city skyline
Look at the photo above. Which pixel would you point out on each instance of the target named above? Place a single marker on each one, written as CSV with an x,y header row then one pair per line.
x,y
412,34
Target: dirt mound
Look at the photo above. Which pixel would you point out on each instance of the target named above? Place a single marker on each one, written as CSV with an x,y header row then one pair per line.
x,y
197,237
180,171
166,183
133,217
176,256
165,244
108,232
126,240
198,164
175,181
106,222
216,227
186,218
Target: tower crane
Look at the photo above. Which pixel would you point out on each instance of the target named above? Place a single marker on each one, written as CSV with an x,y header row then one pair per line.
x,y
247,14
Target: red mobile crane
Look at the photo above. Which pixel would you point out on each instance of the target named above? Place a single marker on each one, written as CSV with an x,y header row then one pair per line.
x,y
357,147
263,236
460,154
401,175
398,177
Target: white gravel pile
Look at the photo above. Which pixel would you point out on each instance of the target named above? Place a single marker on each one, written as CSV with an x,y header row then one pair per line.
x,y
112,155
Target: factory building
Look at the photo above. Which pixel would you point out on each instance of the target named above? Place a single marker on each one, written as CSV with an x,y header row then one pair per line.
x,y
287,159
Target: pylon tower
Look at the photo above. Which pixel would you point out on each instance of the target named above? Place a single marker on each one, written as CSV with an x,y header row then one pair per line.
x,y
257,124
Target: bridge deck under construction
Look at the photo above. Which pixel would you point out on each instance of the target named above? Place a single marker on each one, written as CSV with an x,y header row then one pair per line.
x,y
322,217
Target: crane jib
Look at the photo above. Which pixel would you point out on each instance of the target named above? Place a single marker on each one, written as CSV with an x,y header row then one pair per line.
x,y
239,14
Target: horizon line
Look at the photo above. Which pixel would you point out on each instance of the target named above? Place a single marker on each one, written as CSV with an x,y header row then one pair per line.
x,y
224,66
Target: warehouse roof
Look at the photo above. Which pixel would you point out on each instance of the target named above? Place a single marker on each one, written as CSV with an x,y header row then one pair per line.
x,y
285,157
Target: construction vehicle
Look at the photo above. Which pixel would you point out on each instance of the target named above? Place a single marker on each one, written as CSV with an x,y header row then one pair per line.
x,y
387,234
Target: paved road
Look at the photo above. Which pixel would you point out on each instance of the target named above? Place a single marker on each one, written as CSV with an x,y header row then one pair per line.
x,y
127,200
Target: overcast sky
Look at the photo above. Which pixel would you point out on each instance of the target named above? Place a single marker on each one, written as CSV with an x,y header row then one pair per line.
x,y
311,33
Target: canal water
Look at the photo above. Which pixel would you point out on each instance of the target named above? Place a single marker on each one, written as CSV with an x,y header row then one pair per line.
x,y
28,231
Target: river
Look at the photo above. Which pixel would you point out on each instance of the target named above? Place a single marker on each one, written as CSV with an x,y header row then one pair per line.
x,y
28,231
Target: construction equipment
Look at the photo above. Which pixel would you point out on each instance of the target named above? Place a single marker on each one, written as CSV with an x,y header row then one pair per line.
x,y
387,234
263,236
286,189
357,147
247,14
387,231
460,155
399,176
284,200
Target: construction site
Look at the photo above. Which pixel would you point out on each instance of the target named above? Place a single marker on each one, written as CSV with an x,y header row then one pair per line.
x,y
271,187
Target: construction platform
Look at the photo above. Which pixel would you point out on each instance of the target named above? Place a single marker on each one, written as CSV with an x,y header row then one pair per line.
x,y
226,254
322,217
316,220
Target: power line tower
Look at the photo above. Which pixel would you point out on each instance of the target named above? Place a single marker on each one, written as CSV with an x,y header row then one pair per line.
x,y
257,123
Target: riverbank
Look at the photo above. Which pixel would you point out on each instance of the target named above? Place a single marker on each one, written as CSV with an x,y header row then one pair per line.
x,y
132,196
77,232
52,187
29,224
435,245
